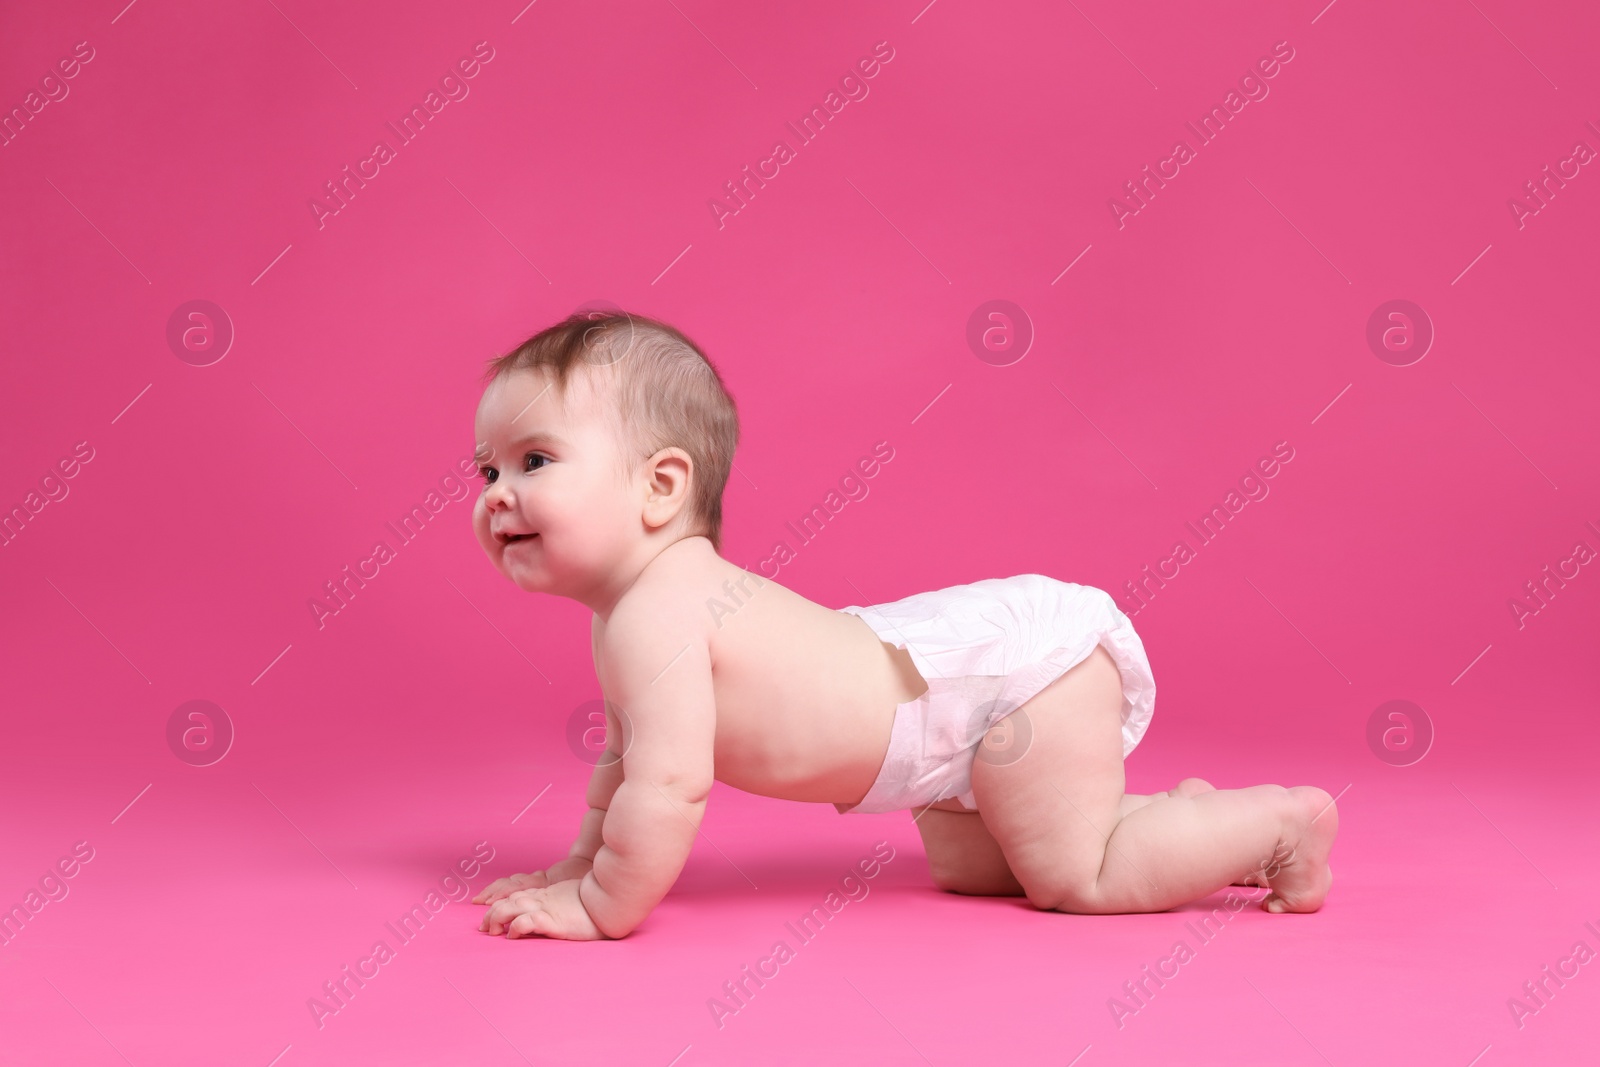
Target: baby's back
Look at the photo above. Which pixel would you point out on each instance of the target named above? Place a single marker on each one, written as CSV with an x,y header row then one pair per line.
x,y
805,695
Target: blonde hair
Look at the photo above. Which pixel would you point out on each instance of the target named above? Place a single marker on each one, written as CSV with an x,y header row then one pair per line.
x,y
665,393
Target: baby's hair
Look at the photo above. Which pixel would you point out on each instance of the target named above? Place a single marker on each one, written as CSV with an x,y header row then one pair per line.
x,y
665,393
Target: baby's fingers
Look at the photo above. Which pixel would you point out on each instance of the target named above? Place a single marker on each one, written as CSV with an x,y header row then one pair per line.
x,y
494,891
499,915
530,923
501,888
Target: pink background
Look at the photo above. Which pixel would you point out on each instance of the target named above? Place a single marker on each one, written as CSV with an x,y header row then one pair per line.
x,y
1228,315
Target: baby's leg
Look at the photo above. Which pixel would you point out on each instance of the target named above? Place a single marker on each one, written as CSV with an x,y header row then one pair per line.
x,y
1189,787
1056,814
963,857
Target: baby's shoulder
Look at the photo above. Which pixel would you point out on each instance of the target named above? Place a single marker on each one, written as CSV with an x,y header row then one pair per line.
x,y
653,623
650,606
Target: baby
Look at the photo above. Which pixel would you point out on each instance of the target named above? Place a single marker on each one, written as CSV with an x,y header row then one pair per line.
x,y
998,712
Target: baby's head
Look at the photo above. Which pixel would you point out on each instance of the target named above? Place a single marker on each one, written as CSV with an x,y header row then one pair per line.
x,y
607,435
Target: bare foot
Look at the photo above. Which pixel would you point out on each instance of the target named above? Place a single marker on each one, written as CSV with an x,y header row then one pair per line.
x,y
1300,877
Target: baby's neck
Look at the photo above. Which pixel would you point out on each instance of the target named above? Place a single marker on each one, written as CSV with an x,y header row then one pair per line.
x,y
650,559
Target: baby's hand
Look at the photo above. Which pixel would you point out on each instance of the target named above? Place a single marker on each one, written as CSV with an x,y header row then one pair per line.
x,y
555,911
568,869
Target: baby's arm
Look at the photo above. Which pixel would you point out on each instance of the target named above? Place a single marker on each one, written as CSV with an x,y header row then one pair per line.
x,y
657,668
602,784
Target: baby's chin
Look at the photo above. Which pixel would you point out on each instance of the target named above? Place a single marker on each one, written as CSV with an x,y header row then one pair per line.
x,y
523,576
534,576
533,568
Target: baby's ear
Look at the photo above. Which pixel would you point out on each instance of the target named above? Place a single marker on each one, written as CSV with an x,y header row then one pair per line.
x,y
668,477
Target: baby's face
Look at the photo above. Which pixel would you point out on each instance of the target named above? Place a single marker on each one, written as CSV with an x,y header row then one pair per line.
x,y
554,514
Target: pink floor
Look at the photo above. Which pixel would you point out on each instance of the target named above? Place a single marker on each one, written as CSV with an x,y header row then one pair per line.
x,y
218,475
215,908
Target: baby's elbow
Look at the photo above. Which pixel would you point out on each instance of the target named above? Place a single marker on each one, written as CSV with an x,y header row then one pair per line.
x,y
688,789
682,778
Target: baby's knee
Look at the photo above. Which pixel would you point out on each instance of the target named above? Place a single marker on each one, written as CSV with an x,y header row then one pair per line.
x,y
1072,899
1062,891
946,875
1084,891
973,881
972,875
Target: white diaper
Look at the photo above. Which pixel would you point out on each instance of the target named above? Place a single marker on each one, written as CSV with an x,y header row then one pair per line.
x,y
984,649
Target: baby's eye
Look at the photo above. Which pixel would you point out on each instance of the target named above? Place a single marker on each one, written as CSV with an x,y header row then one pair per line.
x,y
486,473
531,456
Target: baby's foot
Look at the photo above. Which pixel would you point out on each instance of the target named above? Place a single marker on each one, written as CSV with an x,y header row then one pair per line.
x,y
1299,881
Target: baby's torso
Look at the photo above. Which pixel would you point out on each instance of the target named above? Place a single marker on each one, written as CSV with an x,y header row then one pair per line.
x,y
805,695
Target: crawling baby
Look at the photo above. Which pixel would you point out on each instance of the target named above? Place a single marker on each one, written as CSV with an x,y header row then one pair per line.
x,y
998,712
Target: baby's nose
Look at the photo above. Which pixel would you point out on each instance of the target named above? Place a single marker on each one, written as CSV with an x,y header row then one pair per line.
x,y
498,496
